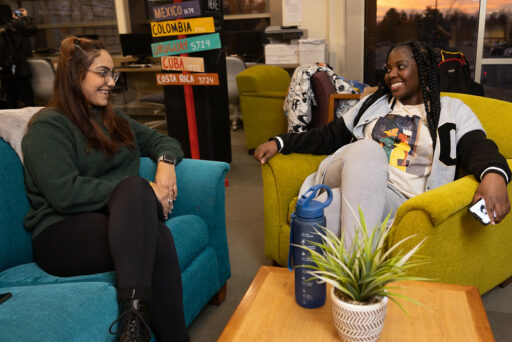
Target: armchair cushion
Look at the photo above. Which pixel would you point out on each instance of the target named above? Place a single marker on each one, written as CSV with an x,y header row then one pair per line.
x,y
59,312
13,126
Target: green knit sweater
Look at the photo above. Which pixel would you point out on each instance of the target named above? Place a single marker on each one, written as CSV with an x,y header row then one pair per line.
x,y
63,179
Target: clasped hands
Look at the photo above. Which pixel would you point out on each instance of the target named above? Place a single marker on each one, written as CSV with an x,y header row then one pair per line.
x,y
165,187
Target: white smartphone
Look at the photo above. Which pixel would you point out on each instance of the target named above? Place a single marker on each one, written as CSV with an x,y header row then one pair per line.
x,y
480,212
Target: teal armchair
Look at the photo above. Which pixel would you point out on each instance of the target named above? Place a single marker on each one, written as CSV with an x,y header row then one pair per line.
x,y
48,308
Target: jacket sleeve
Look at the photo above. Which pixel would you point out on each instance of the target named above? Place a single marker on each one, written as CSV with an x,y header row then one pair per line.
x,y
479,156
322,140
25,25
153,144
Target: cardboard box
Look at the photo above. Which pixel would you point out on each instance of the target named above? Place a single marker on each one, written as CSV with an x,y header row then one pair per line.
x,y
282,54
312,50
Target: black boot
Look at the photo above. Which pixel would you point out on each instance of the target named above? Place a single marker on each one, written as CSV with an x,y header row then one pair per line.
x,y
133,326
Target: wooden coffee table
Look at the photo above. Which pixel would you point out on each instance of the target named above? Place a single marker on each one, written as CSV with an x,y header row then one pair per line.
x,y
268,312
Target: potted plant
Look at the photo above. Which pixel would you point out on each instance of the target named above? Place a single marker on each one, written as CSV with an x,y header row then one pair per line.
x,y
359,276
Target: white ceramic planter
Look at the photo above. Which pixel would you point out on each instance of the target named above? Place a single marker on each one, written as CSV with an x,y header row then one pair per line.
x,y
358,323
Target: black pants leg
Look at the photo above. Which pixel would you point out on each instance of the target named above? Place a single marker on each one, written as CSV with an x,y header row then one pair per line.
x,y
167,318
25,92
131,239
11,93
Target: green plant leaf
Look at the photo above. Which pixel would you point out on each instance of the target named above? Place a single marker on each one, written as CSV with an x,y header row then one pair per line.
x,y
363,270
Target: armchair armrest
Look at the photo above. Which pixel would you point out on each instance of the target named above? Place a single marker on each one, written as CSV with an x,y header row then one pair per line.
x,y
458,248
332,100
200,188
438,204
282,177
201,192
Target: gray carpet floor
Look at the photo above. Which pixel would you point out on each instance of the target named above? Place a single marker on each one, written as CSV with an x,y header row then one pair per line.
x,y
244,219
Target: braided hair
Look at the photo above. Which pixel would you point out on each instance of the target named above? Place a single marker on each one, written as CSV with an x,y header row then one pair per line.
x,y
426,60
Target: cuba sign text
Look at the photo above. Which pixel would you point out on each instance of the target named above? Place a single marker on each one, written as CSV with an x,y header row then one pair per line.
x,y
195,64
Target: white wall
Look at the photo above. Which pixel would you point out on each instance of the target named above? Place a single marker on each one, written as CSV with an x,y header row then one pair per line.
x,y
315,18
341,23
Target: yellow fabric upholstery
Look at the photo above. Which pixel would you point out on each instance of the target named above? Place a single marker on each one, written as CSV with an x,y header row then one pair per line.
x,y
458,248
262,89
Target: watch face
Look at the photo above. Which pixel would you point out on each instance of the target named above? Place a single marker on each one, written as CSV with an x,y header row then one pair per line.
x,y
166,159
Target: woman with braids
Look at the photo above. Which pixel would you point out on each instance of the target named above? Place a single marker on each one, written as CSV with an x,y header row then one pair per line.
x,y
398,142
90,212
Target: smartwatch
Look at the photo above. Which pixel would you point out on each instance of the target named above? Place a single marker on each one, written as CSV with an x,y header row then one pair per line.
x,y
166,158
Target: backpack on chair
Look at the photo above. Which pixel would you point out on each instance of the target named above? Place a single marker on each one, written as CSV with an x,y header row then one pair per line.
x,y
455,75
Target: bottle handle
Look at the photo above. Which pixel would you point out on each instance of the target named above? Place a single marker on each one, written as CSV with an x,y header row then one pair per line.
x,y
310,194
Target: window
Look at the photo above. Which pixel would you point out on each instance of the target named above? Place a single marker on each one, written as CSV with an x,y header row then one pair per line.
x,y
496,57
498,31
442,23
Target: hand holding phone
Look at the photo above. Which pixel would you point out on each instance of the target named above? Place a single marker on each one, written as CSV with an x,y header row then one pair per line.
x,y
480,212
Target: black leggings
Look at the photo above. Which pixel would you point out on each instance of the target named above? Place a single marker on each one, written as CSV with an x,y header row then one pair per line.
x,y
130,238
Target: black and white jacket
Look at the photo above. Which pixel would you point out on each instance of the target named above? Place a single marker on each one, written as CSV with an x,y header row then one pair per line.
x,y
461,140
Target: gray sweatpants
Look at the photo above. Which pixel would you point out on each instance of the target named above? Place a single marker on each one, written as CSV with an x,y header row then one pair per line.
x,y
360,172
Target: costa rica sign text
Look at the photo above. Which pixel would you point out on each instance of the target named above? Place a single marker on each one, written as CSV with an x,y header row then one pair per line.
x,y
188,79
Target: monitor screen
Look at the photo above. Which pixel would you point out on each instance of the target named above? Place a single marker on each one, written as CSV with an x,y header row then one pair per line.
x,y
136,44
246,44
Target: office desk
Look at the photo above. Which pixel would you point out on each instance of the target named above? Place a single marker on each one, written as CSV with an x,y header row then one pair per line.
x,y
151,68
136,82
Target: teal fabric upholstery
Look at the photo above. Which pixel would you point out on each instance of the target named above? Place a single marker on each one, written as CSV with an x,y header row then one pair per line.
x,y
58,312
15,246
49,308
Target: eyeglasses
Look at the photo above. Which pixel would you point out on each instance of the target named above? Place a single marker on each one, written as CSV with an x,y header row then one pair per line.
x,y
107,75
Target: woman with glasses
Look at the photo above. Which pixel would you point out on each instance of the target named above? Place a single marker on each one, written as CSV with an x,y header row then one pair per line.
x,y
90,212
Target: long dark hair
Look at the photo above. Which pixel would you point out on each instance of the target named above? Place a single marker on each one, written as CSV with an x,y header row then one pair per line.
x,y
76,56
426,59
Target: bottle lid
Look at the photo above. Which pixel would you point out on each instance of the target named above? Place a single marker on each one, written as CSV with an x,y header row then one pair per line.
x,y
307,207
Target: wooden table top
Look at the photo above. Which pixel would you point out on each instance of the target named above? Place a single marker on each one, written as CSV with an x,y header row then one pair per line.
x,y
268,312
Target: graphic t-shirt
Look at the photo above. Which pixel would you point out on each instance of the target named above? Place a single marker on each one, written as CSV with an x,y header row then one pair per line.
x,y
404,136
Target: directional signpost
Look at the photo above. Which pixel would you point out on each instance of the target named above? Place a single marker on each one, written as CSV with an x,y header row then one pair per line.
x,y
169,21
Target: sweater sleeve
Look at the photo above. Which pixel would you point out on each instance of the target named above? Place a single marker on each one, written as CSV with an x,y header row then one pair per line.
x,y
51,166
153,144
322,140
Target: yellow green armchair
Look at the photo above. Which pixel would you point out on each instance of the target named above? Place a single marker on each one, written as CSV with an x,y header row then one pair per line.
x,y
262,89
458,249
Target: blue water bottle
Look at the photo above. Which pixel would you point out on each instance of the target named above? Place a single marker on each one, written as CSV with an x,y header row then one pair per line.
x,y
308,215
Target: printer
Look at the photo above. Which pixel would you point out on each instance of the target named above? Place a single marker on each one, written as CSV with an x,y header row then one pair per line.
x,y
284,45
282,34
